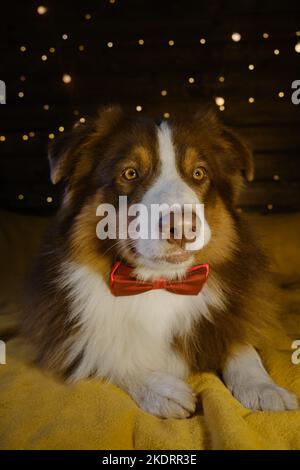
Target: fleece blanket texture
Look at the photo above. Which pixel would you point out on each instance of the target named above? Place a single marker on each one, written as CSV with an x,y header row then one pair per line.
x,y
37,411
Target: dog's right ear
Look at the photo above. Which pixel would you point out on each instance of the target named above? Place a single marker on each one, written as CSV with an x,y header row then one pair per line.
x,y
67,150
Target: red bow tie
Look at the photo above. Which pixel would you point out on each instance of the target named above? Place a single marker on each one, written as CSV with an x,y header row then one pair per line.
x,y
123,281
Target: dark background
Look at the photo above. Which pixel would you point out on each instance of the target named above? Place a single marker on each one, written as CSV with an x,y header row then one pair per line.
x,y
135,74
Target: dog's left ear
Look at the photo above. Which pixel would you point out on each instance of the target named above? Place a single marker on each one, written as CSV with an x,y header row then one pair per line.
x,y
240,151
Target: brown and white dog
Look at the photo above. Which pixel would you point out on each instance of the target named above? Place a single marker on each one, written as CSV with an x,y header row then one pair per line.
x,y
149,343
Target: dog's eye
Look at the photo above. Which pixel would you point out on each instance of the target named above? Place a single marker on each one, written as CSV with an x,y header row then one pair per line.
x,y
130,174
199,173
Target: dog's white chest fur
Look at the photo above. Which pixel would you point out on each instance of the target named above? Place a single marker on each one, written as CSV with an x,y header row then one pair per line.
x,y
122,337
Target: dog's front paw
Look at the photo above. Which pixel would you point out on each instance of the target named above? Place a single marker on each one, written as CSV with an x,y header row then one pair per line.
x,y
265,396
164,396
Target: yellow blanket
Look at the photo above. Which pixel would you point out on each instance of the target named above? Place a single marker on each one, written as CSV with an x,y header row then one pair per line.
x,y
39,412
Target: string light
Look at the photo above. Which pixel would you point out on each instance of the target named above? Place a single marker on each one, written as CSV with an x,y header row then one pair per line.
x,y
276,51
61,128
202,41
270,207
221,79
236,37
46,107
297,33
112,1
41,10
66,78
141,42
23,48
110,44
65,37
2,138
191,80
222,108
44,57
251,100
276,177
251,67
25,137
139,108
51,136
81,47
20,197
219,100
82,120
266,35
163,92
31,134
281,94
22,78
166,115
88,16
21,94
75,112
52,50
49,199
297,47
171,42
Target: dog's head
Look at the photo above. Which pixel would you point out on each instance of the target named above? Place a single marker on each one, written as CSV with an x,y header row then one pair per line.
x,y
180,163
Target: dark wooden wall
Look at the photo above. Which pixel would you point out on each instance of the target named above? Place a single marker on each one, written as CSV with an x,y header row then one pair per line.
x,y
135,74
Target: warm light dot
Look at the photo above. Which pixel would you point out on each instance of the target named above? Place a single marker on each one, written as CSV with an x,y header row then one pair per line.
x,y
139,108
82,120
166,115
221,79
276,51
297,33
42,10
66,78
171,42
222,108
81,47
270,207
52,50
46,107
22,78
265,35
31,134
25,137
44,57
65,37
163,92
191,80
281,94
75,112
141,42
112,1
251,100
297,47
276,177
49,199
51,136
251,67
20,197
2,138
61,128
21,94
23,48
236,37
219,100
88,16
110,44
202,41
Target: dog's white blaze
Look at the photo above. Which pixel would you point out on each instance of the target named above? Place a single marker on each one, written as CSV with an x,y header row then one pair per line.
x,y
169,188
123,338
